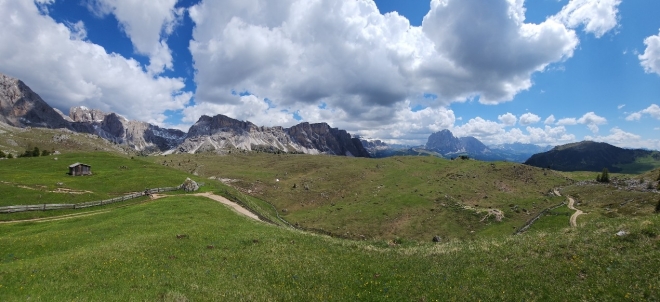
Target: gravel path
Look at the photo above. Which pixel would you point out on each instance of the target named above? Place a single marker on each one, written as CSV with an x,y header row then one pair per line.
x,y
575,215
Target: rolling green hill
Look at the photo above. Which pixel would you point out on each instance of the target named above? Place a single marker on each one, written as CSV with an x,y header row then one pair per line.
x,y
399,197
593,156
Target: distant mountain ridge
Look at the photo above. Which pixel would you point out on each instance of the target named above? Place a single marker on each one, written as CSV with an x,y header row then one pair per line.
x,y
222,132
589,156
140,136
445,144
22,107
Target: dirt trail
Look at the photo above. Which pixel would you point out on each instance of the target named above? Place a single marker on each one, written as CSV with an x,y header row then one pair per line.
x,y
229,203
575,215
209,195
56,218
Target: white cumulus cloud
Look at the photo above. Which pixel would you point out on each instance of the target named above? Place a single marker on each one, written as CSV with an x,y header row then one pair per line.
x,y
623,139
653,111
73,72
508,119
590,119
146,23
550,120
597,16
529,119
650,59
569,121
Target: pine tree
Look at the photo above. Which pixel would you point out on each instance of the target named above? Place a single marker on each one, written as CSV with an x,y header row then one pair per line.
x,y
657,207
2,154
36,152
605,176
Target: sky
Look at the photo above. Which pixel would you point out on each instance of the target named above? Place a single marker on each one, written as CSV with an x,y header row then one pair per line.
x,y
545,72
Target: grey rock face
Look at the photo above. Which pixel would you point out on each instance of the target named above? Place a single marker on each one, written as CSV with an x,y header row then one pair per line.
x,y
224,133
22,107
444,142
138,135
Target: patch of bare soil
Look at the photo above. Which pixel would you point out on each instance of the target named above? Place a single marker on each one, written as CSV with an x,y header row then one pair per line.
x,y
229,203
70,191
56,218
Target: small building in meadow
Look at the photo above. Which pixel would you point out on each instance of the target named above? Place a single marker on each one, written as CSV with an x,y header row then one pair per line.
x,y
79,169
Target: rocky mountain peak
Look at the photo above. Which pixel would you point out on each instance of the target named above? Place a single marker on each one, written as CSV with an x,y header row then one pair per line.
x,y
220,132
84,114
444,142
22,107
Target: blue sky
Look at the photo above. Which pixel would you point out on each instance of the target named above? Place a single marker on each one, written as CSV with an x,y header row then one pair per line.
x,y
541,72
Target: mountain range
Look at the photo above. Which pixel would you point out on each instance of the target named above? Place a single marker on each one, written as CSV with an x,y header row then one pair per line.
x,y
445,144
22,107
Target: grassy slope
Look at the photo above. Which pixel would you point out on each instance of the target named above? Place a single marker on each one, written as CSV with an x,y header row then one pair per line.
x,y
407,197
17,140
133,254
34,180
641,164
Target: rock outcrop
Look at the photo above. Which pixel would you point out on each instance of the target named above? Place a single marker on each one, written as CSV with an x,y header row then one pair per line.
x,y
190,185
327,140
22,107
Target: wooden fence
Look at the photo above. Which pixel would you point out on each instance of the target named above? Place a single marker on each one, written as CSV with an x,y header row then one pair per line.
x,y
48,207
539,215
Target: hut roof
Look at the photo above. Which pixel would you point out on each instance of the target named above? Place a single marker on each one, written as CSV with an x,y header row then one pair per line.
x,y
78,164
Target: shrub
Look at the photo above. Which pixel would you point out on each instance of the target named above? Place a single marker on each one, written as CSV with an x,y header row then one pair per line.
x,y
604,177
657,207
2,154
10,156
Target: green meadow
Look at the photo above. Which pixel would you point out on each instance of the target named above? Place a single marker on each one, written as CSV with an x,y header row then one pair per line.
x,y
134,253
414,198
339,229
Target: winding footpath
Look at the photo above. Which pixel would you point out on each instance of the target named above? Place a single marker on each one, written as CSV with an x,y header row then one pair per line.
x,y
575,215
571,206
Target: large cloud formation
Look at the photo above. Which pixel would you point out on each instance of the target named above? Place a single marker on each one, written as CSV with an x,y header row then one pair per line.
x,y
346,53
279,61
72,71
314,57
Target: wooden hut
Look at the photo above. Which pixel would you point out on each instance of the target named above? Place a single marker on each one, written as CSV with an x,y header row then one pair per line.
x,y
79,169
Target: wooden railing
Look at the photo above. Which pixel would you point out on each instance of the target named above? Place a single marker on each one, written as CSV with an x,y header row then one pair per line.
x,y
48,207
